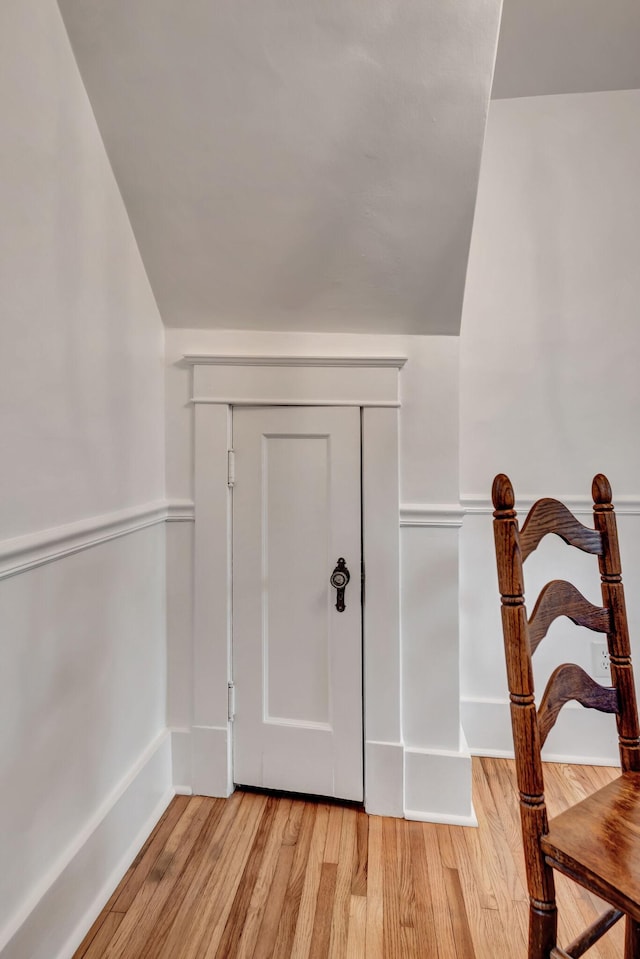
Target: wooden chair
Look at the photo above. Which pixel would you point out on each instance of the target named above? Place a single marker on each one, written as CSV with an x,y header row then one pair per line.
x,y
596,842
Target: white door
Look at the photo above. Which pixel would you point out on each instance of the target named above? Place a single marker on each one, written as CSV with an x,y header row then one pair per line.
x,y
297,660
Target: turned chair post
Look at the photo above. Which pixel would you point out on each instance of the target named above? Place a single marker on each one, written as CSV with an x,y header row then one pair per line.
x,y
618,637
595,842
619,654
533,810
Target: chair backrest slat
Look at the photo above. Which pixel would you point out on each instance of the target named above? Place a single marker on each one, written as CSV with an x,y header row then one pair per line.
x,y
560,598
569,682
551,516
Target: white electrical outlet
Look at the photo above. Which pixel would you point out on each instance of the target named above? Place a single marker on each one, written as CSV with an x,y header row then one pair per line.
x,y
600,659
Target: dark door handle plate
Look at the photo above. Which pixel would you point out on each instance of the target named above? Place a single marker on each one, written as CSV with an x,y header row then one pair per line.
x,y
339,579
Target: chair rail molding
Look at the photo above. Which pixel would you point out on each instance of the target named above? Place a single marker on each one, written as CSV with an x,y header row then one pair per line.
x,y
431,514
180,511
22,553
478,504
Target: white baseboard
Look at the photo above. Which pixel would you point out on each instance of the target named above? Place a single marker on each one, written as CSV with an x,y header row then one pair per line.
x,y
426,785
200,761
581,736
437,786
383,778
57,915
446,819
211,761
201,764
181,760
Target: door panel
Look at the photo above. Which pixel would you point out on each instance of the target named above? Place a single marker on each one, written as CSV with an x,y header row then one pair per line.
x,y
297,661
295,551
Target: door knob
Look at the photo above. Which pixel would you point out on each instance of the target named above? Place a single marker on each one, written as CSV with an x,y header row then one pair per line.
x,y
339,579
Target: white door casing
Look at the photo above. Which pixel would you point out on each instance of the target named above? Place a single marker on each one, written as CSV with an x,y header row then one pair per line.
x,y
370,383
297,663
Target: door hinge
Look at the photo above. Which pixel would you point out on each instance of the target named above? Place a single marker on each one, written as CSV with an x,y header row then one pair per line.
x,y
231,701
231,468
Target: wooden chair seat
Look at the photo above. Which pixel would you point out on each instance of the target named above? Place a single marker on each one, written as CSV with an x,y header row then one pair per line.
x,y
597,843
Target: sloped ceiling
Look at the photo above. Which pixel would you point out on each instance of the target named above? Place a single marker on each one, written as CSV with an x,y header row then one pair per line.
x,y
567,46
295,165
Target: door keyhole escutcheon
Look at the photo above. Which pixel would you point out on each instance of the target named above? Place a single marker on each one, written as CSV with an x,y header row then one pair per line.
x,y
339,579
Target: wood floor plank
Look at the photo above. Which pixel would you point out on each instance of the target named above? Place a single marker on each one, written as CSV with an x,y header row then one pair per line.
x,y
234,926
321,935
506,886
462,938
270,925
257,877
143,920
181,918
310,889
167,903
105,934
407,909
447,852
359,880
406,883
148,861
342,903
264,880
357,939
439,892
292,829
221,889
162,829
291,904
375,894
500,775
426,944
489,934
81,951
334,833
392,931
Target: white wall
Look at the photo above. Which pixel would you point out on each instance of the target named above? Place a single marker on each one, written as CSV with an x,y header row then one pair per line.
x,y
429,539
550,344
84,764
81,338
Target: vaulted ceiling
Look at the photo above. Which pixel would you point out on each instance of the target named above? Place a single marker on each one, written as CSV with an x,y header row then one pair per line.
x,y
567,46
295,165
304,165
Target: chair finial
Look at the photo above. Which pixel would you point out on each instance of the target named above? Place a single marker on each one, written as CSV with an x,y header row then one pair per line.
x,y
502,493
601,490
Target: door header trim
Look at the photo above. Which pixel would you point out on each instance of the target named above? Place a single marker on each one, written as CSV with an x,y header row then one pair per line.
x,y
251,359
295,380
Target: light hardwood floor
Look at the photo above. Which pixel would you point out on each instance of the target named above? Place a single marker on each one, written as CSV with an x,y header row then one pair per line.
x,y
258,877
